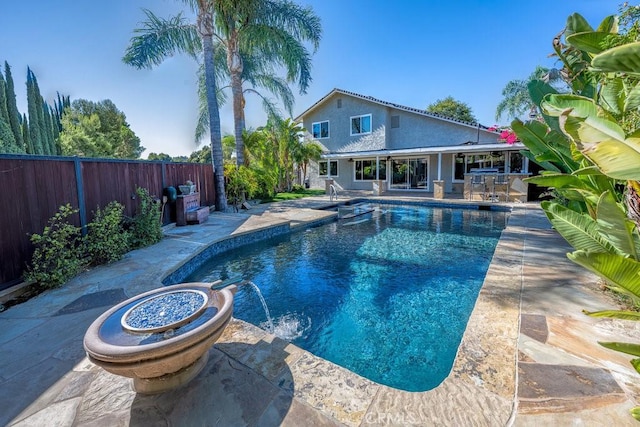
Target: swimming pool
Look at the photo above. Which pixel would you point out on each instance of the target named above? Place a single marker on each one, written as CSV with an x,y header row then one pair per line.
x,y
386,295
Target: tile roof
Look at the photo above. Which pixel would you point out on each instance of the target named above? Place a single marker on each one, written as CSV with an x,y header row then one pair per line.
x,y
392,105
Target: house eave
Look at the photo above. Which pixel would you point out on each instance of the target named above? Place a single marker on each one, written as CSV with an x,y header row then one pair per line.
x,y
480,148
399,107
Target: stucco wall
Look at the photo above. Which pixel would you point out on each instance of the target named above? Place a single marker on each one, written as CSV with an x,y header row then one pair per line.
x,y
340,123
422,131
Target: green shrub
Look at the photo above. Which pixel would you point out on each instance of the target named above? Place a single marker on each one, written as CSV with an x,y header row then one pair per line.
x,y
297,188
106,240
145,227
241,183
57,256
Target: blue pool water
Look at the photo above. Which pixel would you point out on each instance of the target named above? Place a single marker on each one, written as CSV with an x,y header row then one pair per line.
x,y
386,295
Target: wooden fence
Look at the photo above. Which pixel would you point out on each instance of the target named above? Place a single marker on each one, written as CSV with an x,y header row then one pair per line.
x,y
32,188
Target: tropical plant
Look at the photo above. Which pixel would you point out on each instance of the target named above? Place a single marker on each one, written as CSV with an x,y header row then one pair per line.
x,y
452,108
304,153
241,183
255,37
147,50
591,160
265,33
516,100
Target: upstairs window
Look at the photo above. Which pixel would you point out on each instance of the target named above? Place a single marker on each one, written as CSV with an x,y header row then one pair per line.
x,y
320,130
361,125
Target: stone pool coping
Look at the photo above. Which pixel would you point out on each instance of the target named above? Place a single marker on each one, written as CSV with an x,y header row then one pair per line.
x,y
254,378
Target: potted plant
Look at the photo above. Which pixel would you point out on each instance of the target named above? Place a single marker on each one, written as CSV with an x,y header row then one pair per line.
x,y
187,188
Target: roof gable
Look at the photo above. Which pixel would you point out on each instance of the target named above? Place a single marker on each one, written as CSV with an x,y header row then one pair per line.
x,y
412,110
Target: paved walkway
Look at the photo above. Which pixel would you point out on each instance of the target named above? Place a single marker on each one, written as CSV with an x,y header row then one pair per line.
x,y
528,357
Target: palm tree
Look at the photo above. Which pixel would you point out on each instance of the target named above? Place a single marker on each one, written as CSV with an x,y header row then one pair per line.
x,y
304,153
516,100
145,52
255,74
269,32
255,37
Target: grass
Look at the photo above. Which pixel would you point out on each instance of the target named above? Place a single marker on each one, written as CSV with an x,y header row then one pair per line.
x,y
293,196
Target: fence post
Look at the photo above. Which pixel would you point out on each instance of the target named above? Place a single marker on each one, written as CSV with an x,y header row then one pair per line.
x,y
164,177
82,210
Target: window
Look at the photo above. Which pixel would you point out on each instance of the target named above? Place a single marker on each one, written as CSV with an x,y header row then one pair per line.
x,y
395,122
339,102
516,164
361,125
322,167
320,130
366,170
466,163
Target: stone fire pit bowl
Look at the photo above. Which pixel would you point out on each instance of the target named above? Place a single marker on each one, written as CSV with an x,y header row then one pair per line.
x,y
160,338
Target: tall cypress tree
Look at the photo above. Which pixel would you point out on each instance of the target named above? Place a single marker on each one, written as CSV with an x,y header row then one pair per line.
x,y
7,140
26,136
33,97
60,105
48,121
56,132
42,123
14,114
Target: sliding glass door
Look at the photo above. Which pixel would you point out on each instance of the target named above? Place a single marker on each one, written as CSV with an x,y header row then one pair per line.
x,y
410,174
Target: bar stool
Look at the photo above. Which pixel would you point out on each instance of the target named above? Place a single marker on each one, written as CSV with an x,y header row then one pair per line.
x,y
501,180
478,182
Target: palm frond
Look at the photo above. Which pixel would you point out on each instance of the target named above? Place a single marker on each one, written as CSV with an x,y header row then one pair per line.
x,y
277,46
276,86
301,22
160,38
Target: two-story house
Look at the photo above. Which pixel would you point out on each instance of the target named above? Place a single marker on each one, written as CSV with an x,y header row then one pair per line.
x,y
366,140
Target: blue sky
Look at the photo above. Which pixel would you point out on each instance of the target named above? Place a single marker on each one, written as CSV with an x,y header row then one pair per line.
x,y
410,52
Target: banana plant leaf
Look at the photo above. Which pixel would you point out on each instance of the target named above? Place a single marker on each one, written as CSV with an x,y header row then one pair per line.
x,y
588,170
632,101
616,269
609,25
615,227
544,164
622,347
579,230
614,314
577,24
620,59
552,145
538,89
604,143
593,41
580,106
558,180
635,412
613,96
